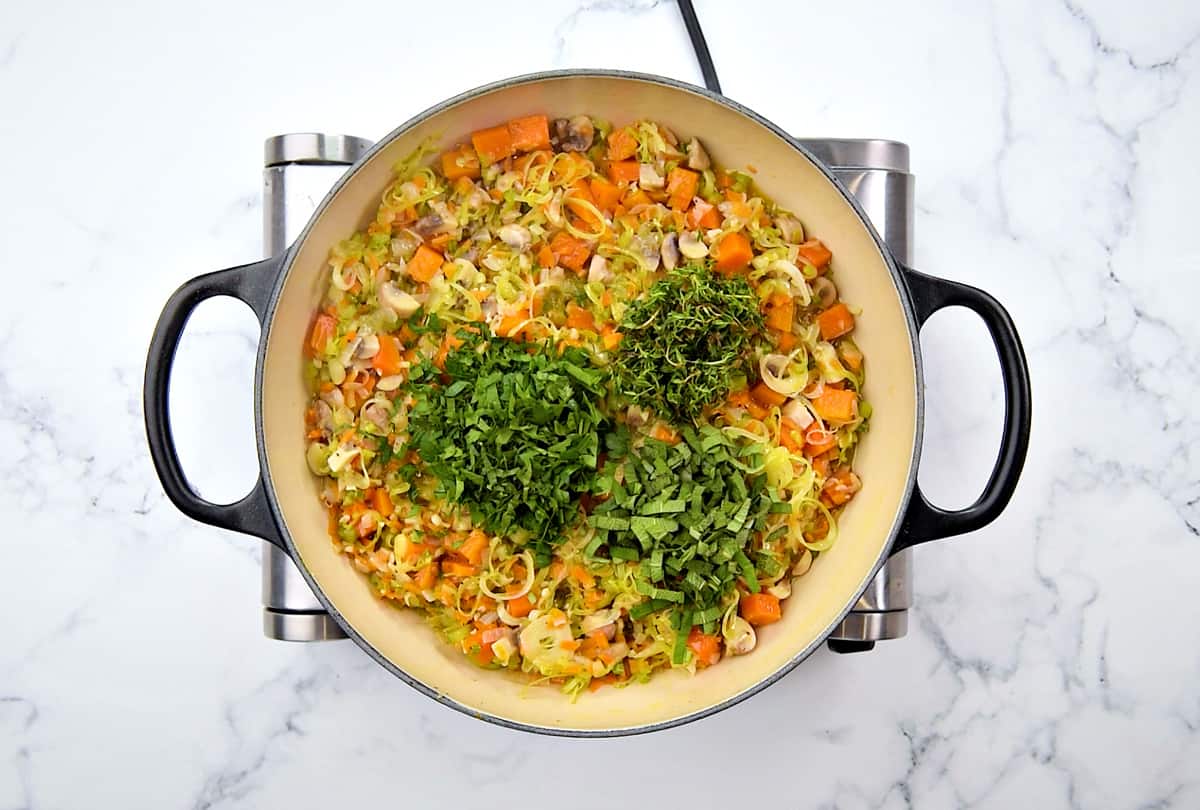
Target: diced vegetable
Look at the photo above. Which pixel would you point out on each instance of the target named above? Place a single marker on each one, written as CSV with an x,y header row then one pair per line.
x,y
529,133
835,322
779,309
622,144
836,405
460,162
605,194
493,144
760,608
764,396
623,171
681,188
706,648
387,360
323,330
570,252
424,264
815,253
733,253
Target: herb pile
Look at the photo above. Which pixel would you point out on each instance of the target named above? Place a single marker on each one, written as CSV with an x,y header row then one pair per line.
x,y
511,432
687,512
685,340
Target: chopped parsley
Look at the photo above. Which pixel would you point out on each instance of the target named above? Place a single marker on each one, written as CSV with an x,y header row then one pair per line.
x,y
511,431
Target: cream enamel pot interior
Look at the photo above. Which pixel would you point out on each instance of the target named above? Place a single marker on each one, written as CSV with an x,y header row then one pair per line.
x,y
888,515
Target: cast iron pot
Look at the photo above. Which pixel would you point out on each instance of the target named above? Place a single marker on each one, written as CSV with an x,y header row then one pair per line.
x,y
889,514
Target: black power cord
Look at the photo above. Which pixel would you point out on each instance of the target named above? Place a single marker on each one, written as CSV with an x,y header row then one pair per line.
x,y
700,46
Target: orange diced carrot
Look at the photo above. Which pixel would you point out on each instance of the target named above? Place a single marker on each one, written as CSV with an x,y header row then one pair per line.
x,y
815,253
460,162
381,501
474,547
835,321
836,405
760,608
623,171
529,133
570,252
763,394
703,215
779,309
387,360
707,648
605,194
622,144
681,187
732,253
322,332
580,318
493,144
424,263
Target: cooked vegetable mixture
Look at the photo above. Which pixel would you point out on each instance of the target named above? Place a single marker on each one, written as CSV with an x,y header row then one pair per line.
x,y
586,399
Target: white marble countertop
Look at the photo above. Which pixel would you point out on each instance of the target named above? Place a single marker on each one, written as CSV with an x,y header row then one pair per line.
x,y
1053,657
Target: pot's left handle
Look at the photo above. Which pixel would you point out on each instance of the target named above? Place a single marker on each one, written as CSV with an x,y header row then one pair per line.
x,y
923,521
252,284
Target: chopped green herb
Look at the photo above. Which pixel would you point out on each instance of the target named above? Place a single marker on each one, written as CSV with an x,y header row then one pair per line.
x,y
514,434
684,340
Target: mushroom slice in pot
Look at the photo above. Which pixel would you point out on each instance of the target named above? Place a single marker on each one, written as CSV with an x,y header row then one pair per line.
x,y
824,292
517,237
574,134
397,300
691,246
670,251
648,177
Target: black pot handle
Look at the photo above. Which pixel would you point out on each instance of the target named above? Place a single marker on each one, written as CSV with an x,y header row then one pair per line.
x,y
923,521
252,284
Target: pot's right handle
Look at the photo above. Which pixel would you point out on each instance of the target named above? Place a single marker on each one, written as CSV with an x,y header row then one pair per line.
x,y
252,284
923,521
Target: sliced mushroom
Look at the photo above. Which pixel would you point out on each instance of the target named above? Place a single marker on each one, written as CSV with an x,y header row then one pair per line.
x,y
636,417
740,637
324,415
405,244
575,134
378,414
670,251
648,177
649,246
790,228
367,348
691,246
697,158
428,225
516,237
797,412
598,270
601,620
395,299
389,383
781,589
824,292
803,563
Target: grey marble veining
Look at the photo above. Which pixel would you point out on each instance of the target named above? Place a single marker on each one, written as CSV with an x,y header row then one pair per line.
x,y
1053,658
